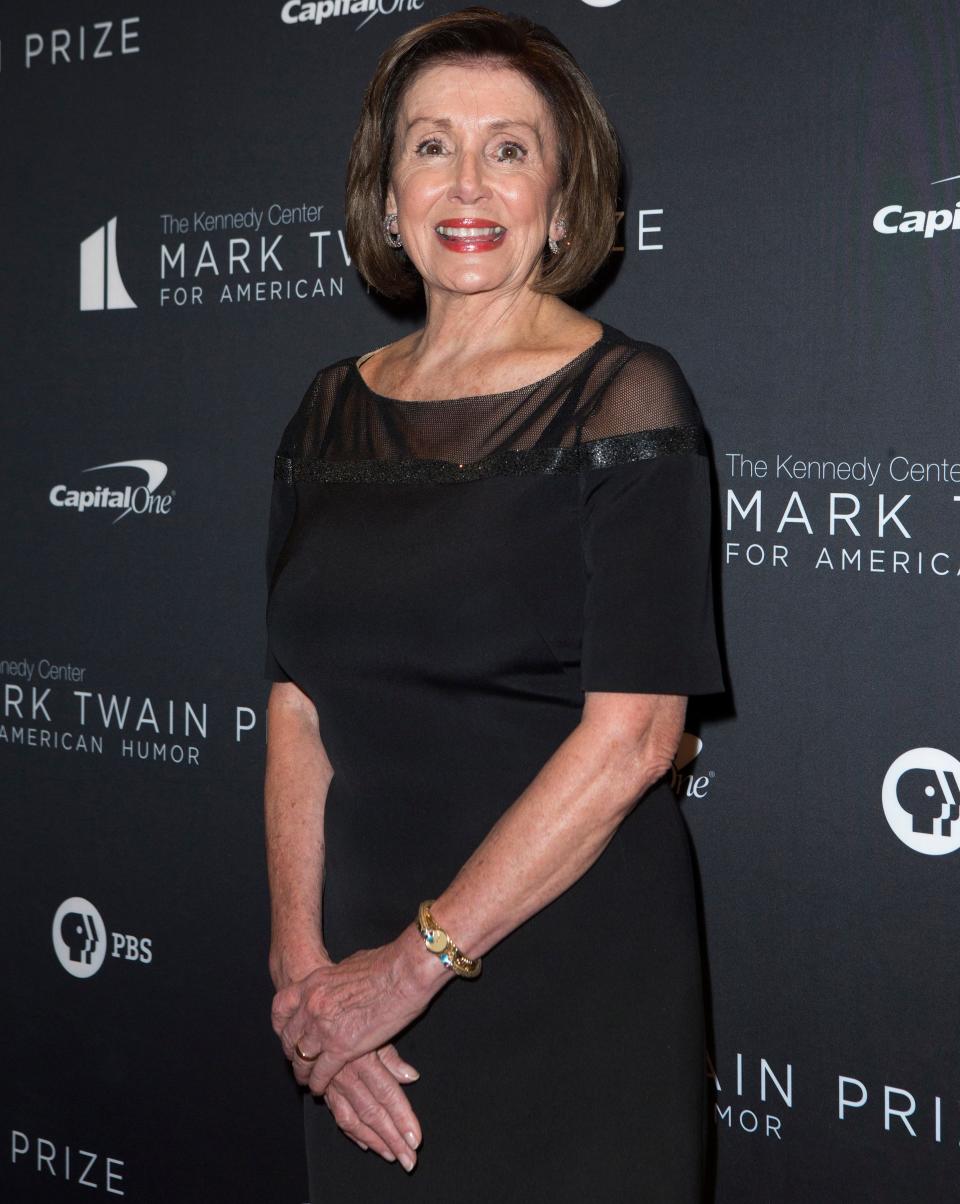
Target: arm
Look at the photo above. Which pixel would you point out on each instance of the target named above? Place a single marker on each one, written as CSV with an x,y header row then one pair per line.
x,y
547,839
556,829
298,775
365,1096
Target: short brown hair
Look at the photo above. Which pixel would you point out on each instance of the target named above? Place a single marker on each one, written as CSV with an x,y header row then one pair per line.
x,y
588,146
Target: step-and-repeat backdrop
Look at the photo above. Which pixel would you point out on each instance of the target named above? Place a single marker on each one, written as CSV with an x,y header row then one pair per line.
x,y
174,274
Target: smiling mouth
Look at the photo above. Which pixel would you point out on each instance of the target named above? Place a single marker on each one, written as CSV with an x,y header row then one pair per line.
x,y
468,233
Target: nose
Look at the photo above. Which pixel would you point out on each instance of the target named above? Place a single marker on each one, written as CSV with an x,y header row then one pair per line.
x,y
468,182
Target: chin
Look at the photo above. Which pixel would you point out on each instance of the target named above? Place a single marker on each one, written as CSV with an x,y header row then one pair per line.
x,y
468,281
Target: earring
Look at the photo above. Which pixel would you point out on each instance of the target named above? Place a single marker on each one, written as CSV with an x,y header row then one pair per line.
x,y
552,242
393,240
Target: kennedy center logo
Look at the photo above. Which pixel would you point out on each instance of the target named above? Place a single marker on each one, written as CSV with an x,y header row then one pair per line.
x,y
101,286
921,800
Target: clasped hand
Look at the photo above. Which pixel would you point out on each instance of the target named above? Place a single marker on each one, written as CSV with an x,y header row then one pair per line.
x,y
348,1011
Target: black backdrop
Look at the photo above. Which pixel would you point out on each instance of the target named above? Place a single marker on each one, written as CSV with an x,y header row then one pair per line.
x,y
790,234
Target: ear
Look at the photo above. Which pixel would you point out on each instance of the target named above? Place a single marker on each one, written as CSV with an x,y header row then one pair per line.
x,y
390,202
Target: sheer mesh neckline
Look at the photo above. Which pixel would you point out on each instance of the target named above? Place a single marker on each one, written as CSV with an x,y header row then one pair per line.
x,y
534,384
621,395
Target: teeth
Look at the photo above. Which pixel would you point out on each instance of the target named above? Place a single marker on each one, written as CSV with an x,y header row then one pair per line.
x,y
470,231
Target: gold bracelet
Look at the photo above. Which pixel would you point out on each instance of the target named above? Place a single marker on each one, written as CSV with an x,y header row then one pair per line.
x,y
439,943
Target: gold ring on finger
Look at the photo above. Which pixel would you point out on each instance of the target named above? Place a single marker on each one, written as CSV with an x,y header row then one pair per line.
x,y
305,1057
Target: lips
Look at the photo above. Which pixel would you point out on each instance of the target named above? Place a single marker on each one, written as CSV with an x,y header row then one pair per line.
x,y
469,233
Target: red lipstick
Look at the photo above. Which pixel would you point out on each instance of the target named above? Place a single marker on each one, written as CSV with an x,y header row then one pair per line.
x,y
466,234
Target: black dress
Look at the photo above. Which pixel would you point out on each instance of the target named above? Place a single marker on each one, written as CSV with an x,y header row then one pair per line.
x,y
446,579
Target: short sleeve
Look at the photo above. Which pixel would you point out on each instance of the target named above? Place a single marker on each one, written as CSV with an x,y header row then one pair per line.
x,y
283,508
302,438
649,623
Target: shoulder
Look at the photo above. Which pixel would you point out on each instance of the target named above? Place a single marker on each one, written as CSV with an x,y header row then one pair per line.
x,y
306,424
640,387
643,362
329,377
324,384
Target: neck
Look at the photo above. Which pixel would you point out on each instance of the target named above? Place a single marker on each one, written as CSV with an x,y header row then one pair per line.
x,y
481,324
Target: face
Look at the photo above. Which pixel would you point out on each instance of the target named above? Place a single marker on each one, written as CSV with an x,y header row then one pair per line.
x,y
475,178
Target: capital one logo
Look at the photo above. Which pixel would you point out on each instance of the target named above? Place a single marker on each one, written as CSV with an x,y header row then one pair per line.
x,y
685,781
101,286
921,800
295,11
79,937
895,219
135,499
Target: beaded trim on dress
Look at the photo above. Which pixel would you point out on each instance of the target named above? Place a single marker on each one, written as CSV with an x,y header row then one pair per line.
x,y
617,402
599,453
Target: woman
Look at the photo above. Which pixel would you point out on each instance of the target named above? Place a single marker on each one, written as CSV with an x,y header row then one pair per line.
x,y
490,596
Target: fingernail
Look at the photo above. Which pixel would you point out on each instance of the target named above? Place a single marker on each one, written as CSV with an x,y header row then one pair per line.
x,y
408,1071
362,1146
389,1155
406,1161
411,1139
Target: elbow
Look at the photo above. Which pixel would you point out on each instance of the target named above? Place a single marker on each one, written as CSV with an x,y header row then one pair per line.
x,y
631,768
636,739
628,764
657,764
626,772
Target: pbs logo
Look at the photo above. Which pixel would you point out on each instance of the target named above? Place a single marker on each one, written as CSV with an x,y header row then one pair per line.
x,y
79,937
80,940
921,800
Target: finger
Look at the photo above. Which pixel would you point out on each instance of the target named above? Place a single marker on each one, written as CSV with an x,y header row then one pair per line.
x,y
288,1037
285,1004
369,1123
402,1071
349,1123
323,1070
297,1029
388,1092
351,1126
373,1142
280,1018
302,1067
375,1117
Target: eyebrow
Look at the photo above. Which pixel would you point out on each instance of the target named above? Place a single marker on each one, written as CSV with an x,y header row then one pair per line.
x,y
493,123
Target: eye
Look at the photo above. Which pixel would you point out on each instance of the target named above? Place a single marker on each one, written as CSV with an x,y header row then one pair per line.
x,y
428,142
518,157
